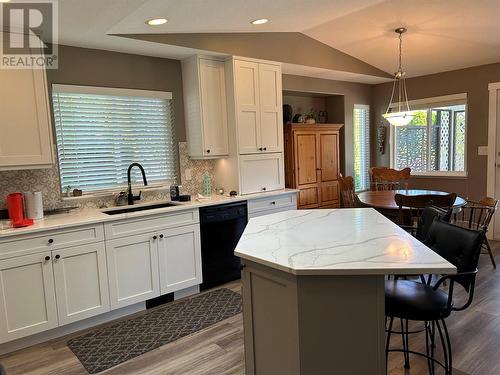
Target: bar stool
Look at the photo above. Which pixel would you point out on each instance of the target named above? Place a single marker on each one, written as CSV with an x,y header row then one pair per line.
x,y
432,304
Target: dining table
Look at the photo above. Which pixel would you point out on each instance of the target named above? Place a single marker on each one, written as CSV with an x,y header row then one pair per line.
x,y
384,199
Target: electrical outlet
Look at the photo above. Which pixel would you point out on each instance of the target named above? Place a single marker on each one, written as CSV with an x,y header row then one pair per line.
x,y
482,150
187,174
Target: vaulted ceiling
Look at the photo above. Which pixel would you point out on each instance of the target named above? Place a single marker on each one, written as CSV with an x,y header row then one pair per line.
x,y
442,34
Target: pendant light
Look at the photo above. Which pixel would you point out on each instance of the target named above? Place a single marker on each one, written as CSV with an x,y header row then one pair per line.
x,y
403,115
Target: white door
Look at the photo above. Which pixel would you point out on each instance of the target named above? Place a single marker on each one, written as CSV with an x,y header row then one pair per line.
x,y
25,123
246,75
132,269
27,296
213,108
260,173
81,280
179,251
271,117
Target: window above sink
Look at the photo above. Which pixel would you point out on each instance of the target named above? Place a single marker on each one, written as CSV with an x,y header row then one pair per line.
x,y
101,131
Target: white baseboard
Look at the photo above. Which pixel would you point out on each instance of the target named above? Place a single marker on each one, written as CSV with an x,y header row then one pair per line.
x,y
38,338
187,292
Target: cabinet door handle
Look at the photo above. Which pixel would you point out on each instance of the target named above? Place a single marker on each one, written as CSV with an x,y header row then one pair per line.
x,y
161,235
57,257
273,202
261,149
47,258
208,151
264,189
265,148
51,240
155,237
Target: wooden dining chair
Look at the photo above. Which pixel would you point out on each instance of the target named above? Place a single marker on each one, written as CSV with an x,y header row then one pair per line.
x,y
477,215
411,207
383,178
348,196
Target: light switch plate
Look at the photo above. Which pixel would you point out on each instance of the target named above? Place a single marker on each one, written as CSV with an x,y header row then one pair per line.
x,y
482,150
187,174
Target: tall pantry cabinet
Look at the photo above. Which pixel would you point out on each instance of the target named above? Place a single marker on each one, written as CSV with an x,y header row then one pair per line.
x,y
312,163
255,162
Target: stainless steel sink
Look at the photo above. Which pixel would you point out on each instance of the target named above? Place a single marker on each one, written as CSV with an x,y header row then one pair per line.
x,y
127,209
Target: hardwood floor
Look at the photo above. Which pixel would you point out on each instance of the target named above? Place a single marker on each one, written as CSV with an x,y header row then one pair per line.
x,y
218,350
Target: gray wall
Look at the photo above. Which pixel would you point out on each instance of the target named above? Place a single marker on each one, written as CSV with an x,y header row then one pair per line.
x,y
83,66
473,81
352,93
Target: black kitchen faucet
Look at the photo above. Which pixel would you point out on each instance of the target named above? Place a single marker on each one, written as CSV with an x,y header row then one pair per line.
x,y
131,197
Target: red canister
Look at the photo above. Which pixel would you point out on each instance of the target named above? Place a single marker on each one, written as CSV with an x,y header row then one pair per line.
x,y
15,206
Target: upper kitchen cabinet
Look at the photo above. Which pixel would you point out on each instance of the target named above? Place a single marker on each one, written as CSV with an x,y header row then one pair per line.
x,y
26,137
205,107
257,106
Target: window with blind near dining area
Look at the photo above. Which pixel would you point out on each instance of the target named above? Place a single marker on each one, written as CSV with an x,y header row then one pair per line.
x,y
361,135
101,131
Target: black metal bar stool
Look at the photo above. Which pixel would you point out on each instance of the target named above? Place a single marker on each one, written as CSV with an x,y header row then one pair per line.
x,y
431,304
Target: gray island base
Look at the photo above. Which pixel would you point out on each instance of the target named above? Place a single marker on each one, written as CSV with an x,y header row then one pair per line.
x,y
313,289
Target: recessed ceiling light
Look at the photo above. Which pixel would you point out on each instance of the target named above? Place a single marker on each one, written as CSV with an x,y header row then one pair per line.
x,y
260,21
156,21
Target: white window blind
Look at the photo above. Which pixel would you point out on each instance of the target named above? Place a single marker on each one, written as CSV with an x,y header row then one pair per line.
x,y
101,131
361,119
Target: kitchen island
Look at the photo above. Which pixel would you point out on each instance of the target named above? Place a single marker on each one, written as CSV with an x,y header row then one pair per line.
x,y
313,289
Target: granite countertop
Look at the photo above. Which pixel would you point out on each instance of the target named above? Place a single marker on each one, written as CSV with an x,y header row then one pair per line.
x,y
358,241
85,216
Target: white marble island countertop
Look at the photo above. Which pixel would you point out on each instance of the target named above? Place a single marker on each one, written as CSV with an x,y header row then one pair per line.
x,y
358,241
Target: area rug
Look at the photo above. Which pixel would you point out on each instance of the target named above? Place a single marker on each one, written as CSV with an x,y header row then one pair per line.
x,y
109,346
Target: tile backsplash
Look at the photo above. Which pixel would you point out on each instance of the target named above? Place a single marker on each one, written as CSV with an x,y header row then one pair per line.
x,y
47,181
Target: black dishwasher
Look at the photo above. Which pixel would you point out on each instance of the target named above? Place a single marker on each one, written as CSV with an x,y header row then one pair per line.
x,y
221,228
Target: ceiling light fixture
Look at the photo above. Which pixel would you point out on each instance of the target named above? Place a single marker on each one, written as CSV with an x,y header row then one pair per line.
x,y
260,21
403,115
156,21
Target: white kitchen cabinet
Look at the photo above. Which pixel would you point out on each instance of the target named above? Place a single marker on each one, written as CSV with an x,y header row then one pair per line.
x,y
205,107
27,296
258,95
133,269
179,252
271,108
81,281
26,134
260,173
246,81
272,204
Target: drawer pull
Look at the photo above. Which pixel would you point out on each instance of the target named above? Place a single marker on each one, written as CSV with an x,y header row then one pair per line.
x,y
265,148
47,258
57,257
155,237
161,235
261,149
51,240
273,202
208,151
264,189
